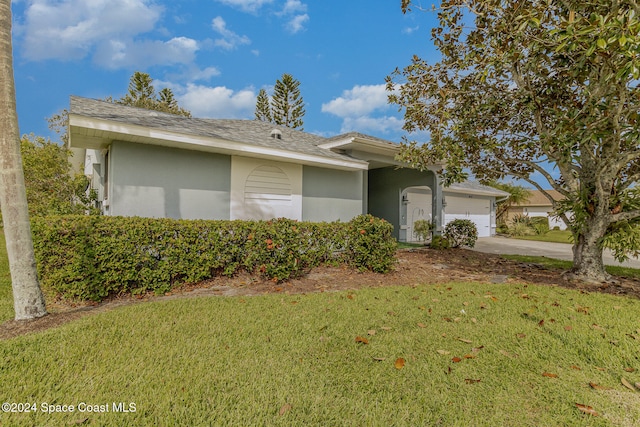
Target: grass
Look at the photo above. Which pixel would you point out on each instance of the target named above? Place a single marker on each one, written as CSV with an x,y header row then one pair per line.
x,y
631,273
6,295
554,236
407,245
527,355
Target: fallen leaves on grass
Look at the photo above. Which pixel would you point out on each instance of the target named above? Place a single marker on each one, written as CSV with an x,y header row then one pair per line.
x,y
471,381
456,360
587,409
598,387
627,384
362,340
549,375
443,352
399,364
285,408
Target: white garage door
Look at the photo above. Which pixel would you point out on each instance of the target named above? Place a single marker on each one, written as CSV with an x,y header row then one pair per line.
x,y
475,209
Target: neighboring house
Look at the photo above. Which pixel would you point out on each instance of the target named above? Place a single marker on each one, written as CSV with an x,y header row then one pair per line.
x,y
152,164
538,205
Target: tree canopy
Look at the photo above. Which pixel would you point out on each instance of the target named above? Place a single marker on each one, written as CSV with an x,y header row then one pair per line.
x,y
142,94
544,91
286,106
52,187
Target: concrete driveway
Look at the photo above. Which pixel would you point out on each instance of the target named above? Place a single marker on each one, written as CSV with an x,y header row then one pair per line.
x,y
510,246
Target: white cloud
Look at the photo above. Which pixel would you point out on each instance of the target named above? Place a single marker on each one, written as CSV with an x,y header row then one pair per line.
x,y
120,54
357,106
218,102
229,40
295,13
359,101
70,29
410,30
296,24
245,5
294,6
386,124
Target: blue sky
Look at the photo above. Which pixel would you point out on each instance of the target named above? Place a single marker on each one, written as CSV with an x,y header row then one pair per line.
x,y
217,54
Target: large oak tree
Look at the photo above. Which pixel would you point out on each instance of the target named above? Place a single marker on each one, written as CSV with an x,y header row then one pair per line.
x,y
542,90
27,296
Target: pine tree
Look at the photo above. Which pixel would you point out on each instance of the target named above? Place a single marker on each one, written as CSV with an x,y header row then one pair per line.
x,y
142,94
263,109
287,106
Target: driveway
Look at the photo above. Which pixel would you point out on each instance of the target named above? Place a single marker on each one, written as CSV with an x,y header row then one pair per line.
x,y
510,246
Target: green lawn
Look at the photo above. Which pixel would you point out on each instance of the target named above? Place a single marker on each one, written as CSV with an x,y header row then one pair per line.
x,y
475,355
555,236
6,296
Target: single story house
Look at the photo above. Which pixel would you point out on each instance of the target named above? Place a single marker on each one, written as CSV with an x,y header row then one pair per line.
x,y
152,164
538,205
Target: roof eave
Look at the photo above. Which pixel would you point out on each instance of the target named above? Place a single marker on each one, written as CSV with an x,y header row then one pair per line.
x,y
105,130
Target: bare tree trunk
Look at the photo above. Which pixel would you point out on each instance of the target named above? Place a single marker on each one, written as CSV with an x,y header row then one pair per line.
x,y
587,255
27,296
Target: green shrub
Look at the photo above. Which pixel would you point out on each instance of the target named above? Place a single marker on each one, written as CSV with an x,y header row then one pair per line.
x,y
521,229
461,232
540,224
92,257
370,244
422,229
439,242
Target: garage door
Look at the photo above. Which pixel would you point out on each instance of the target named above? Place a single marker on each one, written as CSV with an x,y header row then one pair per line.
x,y
466,207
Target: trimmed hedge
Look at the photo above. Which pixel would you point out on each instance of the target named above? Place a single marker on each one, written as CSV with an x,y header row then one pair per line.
x,y
92,257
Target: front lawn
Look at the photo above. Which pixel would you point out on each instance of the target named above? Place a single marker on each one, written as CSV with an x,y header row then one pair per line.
x,y
554,236
6,295
462,354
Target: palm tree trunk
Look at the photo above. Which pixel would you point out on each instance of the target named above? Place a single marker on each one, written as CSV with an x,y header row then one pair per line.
x,y
27,296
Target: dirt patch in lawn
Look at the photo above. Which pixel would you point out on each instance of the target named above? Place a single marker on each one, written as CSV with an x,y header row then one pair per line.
x,y
414,266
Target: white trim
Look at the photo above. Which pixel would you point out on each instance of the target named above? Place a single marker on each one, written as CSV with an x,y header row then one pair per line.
x,y
203,143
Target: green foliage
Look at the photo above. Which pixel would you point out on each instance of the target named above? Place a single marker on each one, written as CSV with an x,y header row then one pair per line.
x,y
439,242
142,94
520,90
624,241
263,109
52,189
286,107
92,257
422,229
370,244
540,224
517,195
461,232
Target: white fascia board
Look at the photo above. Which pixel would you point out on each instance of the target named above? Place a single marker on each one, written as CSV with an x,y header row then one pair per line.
x,y
477,192
362,145
203,143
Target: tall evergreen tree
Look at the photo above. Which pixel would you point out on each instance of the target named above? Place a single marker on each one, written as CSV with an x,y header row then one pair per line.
x,y
263,108
287,106
142,94
28,300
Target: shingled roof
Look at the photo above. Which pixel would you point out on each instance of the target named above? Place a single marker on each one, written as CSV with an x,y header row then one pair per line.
x,y
251,132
